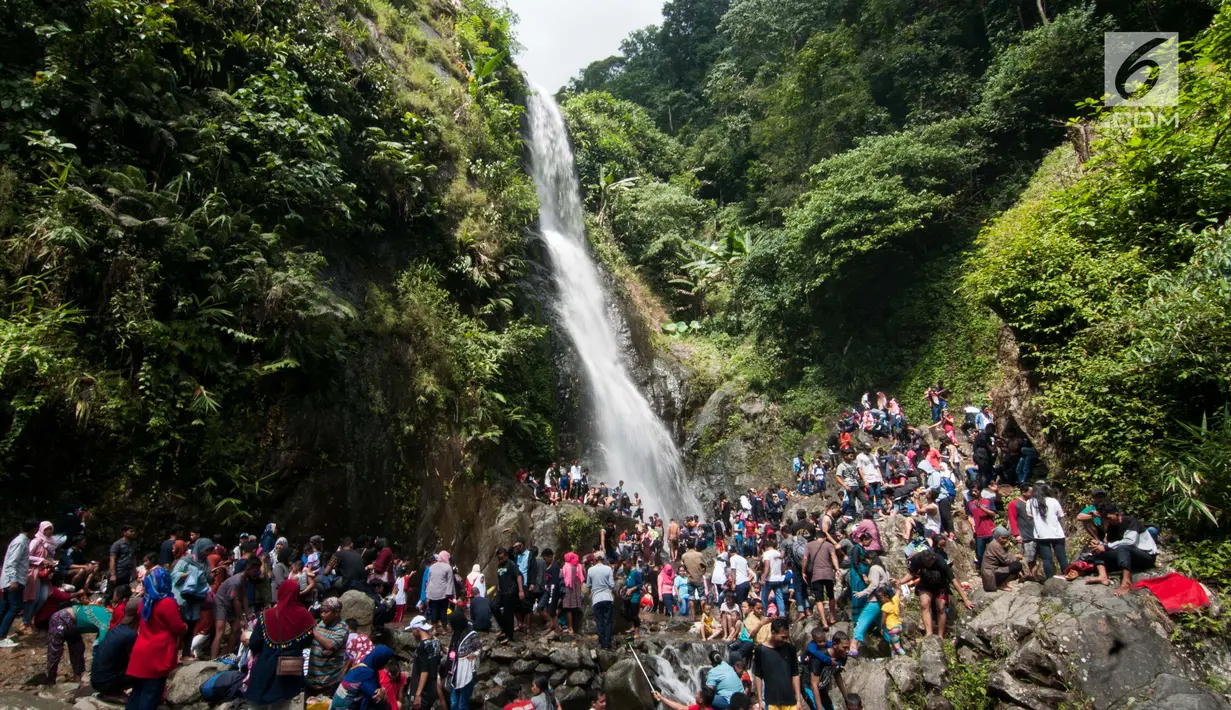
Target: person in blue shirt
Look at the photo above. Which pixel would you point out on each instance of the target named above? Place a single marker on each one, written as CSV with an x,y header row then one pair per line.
x,y
724,678
826,660
632,596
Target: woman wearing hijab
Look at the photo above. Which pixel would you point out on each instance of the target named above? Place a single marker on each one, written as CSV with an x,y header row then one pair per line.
x,y
573,580
201,549
42,560
440,587
278,641
155,653
463,662
360,688
189,582
475,580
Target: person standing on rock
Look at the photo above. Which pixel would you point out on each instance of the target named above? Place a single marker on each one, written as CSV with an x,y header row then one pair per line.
x,y
666,588
739,574
156,651
694,564
850,478
821,570
1021,525
327,656
673,539
548,605
281,634
933,578
631,594
440,587
1046,514
463,661
510,591
425,676
13,579
776,670
601,583
572,579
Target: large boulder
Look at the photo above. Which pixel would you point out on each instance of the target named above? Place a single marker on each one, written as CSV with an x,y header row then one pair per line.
x,y
871,681
1067,642
566,657
627,687
360,607
184,684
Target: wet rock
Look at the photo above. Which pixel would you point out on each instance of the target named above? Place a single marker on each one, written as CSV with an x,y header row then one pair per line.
x,y
626,687
557,679
566,657
607,659
504,654
523,666
581,678
360,607
573,699
938,702
543,669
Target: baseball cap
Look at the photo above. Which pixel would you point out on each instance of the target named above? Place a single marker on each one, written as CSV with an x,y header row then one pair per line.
x,y
419,623
244,535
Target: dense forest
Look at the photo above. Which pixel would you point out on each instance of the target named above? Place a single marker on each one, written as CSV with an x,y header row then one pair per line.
x,y
249,244
857,194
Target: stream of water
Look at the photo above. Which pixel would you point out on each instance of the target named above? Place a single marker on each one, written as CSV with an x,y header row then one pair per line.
x,y
633,443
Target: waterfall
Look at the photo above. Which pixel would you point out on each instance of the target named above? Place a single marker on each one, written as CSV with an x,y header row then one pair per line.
x,y
635,446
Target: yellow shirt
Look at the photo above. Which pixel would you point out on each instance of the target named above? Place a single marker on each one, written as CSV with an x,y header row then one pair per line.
x,y
893,615
707,624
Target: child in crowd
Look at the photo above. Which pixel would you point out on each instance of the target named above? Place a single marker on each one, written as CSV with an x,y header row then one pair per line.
x,y
358,644
891,618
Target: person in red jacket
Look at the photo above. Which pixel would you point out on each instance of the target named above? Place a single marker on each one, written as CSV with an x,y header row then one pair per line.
x,y
155,653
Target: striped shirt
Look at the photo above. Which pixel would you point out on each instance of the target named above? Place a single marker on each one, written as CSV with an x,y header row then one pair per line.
x,y
325,667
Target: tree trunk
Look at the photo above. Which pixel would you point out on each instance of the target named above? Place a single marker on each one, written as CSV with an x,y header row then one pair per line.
x,y
1042,11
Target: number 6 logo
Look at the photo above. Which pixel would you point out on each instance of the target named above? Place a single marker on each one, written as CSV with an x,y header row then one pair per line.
x,y
1141,68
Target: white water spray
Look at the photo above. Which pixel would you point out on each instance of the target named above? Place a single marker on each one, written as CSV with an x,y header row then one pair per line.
x,y
636,447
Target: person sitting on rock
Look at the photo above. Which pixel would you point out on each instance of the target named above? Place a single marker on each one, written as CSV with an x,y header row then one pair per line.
x,y
999,567
1130,548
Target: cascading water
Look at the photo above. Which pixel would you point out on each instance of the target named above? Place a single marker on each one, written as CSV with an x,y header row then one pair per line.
x,y
636,448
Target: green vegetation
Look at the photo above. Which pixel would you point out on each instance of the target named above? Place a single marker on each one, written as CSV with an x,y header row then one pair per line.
x,y
1115,280
845,188
810,177
246,242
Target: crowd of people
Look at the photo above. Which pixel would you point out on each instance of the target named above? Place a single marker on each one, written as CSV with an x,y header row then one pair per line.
x,y
742,577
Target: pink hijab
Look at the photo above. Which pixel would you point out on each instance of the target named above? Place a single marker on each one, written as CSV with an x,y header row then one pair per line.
x,y
42,547
443,556
572,570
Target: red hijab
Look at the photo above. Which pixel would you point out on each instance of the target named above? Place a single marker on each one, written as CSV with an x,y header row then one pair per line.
x,y
289,620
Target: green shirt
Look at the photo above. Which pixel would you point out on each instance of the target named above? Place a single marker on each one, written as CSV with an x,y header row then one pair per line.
x,y
92,618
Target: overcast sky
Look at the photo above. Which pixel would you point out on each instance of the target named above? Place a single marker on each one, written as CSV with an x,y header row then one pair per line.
x,y
560,37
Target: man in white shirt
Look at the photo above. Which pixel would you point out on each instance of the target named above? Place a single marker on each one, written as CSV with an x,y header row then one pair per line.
x,y
739,568
775,580
13,579
1131,549
944,500
871,471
